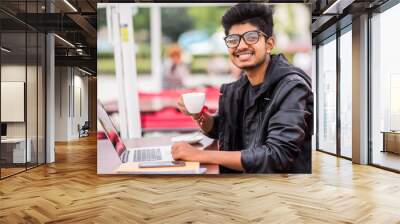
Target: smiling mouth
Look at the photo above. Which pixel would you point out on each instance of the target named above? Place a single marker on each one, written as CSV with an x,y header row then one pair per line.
x,y
247,53
244,56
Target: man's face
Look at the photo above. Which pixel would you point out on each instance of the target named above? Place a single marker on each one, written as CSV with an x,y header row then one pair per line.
x,y
246,56
176,58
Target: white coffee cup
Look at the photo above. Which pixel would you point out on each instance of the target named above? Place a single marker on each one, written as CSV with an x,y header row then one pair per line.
x,y
194,102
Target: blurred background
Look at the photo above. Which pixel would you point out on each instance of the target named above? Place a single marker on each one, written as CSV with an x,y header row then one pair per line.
x,y
193,56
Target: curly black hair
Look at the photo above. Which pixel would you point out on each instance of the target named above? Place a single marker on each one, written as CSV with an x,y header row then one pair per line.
x,y
257,14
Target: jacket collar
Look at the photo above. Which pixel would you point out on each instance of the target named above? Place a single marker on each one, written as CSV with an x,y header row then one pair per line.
x,y
268,77
277,69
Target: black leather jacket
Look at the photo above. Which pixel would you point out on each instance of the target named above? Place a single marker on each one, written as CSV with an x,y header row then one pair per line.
x,y
278,123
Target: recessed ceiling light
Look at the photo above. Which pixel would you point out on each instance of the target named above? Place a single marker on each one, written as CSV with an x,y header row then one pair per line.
x,y
70,5
64,40
337,7
84,71
5,49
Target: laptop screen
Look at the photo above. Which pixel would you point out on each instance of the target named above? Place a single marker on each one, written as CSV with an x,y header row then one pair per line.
x,y
109,129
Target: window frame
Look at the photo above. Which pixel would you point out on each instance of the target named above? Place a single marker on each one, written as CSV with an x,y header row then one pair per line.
x,y
345,25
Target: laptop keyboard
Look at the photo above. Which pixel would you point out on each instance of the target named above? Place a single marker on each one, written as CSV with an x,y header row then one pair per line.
x,y
149,154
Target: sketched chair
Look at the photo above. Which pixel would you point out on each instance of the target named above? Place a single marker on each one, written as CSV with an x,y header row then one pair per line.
x,y
84,130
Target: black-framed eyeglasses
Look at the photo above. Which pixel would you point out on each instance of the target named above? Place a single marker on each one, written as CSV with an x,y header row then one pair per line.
x,y
249,37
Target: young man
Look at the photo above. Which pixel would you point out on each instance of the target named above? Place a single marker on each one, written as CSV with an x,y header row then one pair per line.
x,y
265,119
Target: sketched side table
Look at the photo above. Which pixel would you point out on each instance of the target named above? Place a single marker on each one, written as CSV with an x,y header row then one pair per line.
x,y
391,141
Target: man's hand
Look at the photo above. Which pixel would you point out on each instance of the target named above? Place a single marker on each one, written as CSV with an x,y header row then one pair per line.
x,y
185,151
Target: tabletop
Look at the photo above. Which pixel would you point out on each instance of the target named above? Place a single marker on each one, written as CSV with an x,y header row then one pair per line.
x,y
108,160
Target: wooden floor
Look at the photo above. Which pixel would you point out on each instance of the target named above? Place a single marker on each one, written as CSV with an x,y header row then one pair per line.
x,y
387,159
70,191
10,171
5,172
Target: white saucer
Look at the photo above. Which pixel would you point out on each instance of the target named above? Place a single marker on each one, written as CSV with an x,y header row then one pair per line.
x,y
189,138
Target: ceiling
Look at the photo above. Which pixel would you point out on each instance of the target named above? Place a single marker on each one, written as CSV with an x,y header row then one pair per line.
x,y
328,16
76,22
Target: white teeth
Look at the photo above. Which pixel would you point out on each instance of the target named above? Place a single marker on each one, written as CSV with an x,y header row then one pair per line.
x,y
244,53
244,56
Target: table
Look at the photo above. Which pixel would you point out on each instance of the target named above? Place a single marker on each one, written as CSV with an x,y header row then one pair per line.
x,y
391,141
108,160
18,151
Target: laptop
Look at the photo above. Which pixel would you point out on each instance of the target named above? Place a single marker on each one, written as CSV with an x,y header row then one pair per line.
x,y
137,154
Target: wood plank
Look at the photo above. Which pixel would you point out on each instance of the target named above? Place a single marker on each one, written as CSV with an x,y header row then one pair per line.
x,y
70,191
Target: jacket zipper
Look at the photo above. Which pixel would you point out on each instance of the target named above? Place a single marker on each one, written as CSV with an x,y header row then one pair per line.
x,y
257,137
260,121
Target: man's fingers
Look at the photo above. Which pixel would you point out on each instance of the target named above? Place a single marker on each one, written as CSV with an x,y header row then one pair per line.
x,y
181,106
176,146
174,151
183,109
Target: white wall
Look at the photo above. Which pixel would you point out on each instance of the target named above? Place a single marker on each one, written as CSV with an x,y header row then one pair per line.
x,y
79,117
14,73
70,83
62,81
33,126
